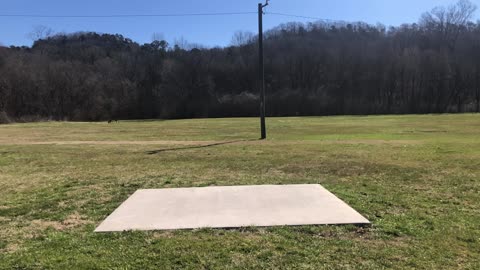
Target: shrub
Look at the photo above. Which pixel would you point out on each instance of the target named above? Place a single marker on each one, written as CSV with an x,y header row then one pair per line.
x,y
4,119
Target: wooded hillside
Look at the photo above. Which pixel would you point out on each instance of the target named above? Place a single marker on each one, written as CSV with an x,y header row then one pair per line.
x,y
320,68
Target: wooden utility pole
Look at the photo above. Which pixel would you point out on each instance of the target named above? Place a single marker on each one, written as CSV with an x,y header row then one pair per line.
x,y
261,70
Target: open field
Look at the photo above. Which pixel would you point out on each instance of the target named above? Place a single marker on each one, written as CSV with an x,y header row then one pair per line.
x,y
416,178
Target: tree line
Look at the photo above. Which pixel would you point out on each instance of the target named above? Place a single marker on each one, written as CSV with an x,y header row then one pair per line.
x,y
318,68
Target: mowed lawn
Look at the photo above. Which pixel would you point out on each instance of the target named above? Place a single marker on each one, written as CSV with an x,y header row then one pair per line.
x,y
416,178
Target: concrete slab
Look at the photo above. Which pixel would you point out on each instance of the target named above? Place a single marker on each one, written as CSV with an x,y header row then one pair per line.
x,y
230,207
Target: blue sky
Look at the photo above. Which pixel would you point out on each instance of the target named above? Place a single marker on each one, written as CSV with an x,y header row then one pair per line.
x,y
210,31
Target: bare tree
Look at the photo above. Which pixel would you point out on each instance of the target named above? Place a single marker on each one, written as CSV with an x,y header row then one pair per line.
x,y
157,36
40,32
159,42
461,13
458,14
183,44
241,38
449,21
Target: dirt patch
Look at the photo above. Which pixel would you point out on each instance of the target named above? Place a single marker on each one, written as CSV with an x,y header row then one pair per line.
x,y
20,230
377,142
13,142
75,220
164,234
72,221
11,248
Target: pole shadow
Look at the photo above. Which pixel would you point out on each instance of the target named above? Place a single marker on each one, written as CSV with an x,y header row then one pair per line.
x,y
154,152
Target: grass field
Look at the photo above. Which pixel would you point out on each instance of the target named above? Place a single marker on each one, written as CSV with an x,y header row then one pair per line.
x,y
417,178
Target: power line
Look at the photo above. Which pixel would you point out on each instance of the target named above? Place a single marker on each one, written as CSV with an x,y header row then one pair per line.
x,y
126,15
155,15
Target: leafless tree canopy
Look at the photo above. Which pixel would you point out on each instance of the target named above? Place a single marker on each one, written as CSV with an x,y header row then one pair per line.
x,y
241,38
448,22
158,36
40,32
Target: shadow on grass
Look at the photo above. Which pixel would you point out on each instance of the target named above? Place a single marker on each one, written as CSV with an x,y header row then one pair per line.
x,y
153,152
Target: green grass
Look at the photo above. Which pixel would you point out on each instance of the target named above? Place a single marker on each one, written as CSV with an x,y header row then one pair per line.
x,y
417,178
